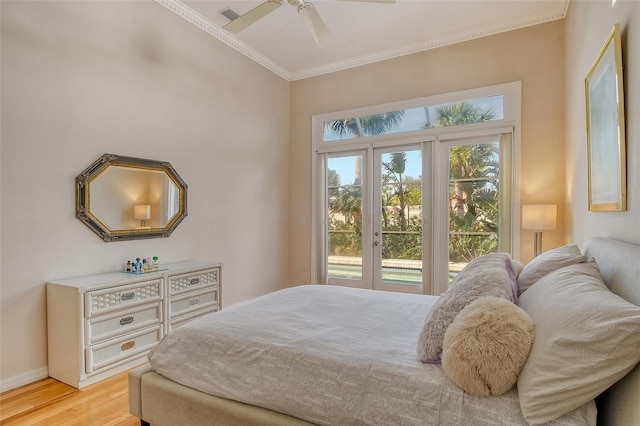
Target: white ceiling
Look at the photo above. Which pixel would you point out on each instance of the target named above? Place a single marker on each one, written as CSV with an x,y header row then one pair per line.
x,y
362,32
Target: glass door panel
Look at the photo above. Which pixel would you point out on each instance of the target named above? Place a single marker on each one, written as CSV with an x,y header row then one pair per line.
x,y
474,200
398,221
345,194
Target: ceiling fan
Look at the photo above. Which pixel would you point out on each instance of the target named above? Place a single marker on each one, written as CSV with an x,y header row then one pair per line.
x,y
316,25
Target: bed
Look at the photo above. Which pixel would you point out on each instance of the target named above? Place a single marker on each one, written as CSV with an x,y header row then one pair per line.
x,y
356,350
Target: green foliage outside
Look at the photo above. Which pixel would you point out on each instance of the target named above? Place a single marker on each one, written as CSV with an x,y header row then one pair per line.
x,y
473,193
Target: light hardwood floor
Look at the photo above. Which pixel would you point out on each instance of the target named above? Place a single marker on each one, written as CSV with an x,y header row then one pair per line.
x,y
51,403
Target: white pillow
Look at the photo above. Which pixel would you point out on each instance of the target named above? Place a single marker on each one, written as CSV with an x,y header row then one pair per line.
x,y
587,338
547,262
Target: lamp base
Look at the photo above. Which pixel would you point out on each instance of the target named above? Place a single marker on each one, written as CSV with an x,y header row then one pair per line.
x,y
537,243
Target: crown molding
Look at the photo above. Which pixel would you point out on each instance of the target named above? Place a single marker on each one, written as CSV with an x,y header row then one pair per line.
x,y
421,47
195,18
190,15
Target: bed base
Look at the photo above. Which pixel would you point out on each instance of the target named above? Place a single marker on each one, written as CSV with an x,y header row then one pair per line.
x,y
160,401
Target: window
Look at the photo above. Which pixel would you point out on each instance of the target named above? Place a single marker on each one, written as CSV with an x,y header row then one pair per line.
x,y
404,207
490,108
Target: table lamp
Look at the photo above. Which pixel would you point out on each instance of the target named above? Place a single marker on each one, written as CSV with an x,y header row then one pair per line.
x,y
538,218
142,212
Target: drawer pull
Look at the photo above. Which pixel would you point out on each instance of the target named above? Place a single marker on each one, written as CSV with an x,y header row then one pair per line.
x,y
194,281
126,320
127,296
194,301
128,345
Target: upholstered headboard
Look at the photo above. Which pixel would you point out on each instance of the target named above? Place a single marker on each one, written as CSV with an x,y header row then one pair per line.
x,y
619,264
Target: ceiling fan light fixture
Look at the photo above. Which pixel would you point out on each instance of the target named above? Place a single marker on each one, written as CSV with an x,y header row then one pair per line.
x,y
229,13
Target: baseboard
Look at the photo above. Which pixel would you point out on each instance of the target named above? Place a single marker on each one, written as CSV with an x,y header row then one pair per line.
x,y
24,379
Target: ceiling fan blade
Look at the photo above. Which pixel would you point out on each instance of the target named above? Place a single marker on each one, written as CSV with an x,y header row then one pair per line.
x,y
252,16
316,25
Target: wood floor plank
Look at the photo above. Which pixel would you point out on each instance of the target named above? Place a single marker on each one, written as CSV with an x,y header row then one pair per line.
x,y
51,403
32,396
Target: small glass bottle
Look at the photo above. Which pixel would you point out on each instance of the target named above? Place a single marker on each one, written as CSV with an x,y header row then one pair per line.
x,y
145,265
127,266
155,265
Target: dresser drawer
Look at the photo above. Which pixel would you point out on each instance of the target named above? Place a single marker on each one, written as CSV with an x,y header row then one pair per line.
x,y
116,324
188,282
108,300
181,305
125,347
183,319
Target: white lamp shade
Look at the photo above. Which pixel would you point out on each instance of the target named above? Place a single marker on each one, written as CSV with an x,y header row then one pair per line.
x,y
142,211
539,217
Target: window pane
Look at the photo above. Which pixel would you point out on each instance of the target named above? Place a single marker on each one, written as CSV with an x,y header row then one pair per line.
x,y
401,219
474,203
477,110
344,195
405,266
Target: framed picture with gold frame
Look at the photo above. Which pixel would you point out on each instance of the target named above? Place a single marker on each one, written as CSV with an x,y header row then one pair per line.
x,y
605,128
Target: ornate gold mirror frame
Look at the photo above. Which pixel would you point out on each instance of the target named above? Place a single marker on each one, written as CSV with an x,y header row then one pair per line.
x,y
126,198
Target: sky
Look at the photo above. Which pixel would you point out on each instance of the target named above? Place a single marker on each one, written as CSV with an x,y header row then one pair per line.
x,y
345,166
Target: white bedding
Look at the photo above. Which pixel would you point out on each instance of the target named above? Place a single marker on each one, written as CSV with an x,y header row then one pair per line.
x,y
330,356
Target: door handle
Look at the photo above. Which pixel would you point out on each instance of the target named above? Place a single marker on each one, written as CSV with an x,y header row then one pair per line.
x,y
376,243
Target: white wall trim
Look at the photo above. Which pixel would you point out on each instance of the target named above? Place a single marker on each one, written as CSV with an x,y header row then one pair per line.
x,y
210,28
24,379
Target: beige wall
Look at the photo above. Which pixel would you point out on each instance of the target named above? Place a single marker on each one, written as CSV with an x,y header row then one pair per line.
x,y
533,55
83,78
587,26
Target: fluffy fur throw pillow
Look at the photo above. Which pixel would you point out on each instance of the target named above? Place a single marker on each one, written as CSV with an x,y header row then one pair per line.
x,y
489,275
487,345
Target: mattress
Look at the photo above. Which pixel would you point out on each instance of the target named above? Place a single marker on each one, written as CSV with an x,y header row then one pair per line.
x,y
330,356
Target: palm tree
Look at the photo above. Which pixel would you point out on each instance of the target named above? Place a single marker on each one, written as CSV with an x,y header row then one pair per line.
x,y
395,168
461,113
370,125
348,201
345,214
474,170
465,161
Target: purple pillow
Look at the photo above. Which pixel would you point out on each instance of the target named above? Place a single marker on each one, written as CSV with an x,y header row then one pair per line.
x,y
489,275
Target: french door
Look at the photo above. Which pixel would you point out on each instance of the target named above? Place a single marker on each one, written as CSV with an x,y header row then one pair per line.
x,y
409,217
375,219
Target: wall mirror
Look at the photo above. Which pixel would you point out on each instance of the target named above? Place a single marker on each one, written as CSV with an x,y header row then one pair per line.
x,y
125,198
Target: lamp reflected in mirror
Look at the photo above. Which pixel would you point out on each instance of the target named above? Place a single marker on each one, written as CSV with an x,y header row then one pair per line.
x,y
539,218
142,212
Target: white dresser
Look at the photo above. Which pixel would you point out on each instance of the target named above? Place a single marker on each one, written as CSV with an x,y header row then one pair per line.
x,y
100,325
